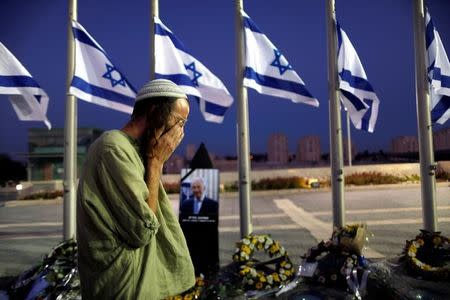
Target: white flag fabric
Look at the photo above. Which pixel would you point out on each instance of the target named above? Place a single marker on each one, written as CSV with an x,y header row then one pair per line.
x,y
438,74
268,71
174,62
356,93
96,78
28,99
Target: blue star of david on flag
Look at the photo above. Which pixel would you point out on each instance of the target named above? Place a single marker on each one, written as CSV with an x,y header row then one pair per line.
x,y
277,63
195,73
97,79
266,68
109,75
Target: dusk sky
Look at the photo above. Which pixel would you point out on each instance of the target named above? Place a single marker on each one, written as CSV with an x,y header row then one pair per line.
x,y
380,30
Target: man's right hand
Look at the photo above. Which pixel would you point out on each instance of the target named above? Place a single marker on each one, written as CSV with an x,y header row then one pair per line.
x,y
165,144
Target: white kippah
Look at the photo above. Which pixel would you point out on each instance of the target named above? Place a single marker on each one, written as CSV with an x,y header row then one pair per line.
x,y
160,88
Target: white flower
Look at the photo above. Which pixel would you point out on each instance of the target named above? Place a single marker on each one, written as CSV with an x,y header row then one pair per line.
x,y
251,246
282,251
246,241
253,272
281,271
250,281
283,277
261,239
269,279
287,266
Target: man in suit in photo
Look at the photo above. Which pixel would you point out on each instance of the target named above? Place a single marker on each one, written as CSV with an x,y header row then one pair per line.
x,y
198,203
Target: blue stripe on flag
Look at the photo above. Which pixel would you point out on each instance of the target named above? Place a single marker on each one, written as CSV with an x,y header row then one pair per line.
x,y
339,36
355,101
180,79
276,83
248,23
366,118
437,75
85,39
211,108
215,109
18,81
88,88
355,81
159,30
429,33
440,108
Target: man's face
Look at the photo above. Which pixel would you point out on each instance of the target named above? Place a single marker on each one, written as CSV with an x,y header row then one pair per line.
x,y
179,115
197,189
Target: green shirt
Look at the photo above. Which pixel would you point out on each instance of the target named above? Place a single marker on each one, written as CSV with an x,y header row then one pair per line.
x,y
125,251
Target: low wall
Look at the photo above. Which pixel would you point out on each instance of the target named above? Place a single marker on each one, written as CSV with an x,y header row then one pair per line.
x,y
230,177
406,169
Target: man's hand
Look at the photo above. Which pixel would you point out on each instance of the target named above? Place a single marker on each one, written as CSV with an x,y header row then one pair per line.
x,y
166,143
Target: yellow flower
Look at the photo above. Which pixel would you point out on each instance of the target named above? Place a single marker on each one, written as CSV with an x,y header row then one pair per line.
x,y
276,278
262,278
246,249
259,286
274,248
188,297
287,273
426,267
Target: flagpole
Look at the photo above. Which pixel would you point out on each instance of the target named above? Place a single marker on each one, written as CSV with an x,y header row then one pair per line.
x,y
155,13
427,164
242,128
337,176
70,135
349,140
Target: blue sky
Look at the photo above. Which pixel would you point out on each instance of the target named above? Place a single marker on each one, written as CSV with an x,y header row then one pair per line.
x,y
381,31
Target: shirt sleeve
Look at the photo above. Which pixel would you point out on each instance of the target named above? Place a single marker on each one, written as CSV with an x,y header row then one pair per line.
x,y
126,193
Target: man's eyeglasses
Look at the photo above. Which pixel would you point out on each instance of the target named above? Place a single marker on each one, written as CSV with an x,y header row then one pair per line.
x,y
179,121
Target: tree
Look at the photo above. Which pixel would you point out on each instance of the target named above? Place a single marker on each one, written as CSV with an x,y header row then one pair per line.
x,y
11,169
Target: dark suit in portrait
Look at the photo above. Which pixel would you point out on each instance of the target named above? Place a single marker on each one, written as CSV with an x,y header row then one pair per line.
x,y
209,207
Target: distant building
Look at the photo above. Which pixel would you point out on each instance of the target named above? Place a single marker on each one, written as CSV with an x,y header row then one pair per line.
x,y
278,148
309,149
190,151
354,150
46,151
405,144
174,164
441,139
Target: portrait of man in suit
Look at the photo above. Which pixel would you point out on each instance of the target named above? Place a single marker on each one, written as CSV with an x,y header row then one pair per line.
x,y
198,203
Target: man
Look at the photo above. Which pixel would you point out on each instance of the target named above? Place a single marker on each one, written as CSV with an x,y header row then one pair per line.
x,y
199,204
130,244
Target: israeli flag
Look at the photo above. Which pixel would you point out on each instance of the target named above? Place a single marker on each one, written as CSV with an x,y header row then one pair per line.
x,y
28,99
356,92
267,70
438,74
174,62
96,78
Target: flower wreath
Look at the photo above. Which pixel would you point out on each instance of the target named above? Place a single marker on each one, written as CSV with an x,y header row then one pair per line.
x,y
257,275
192,293
428,255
